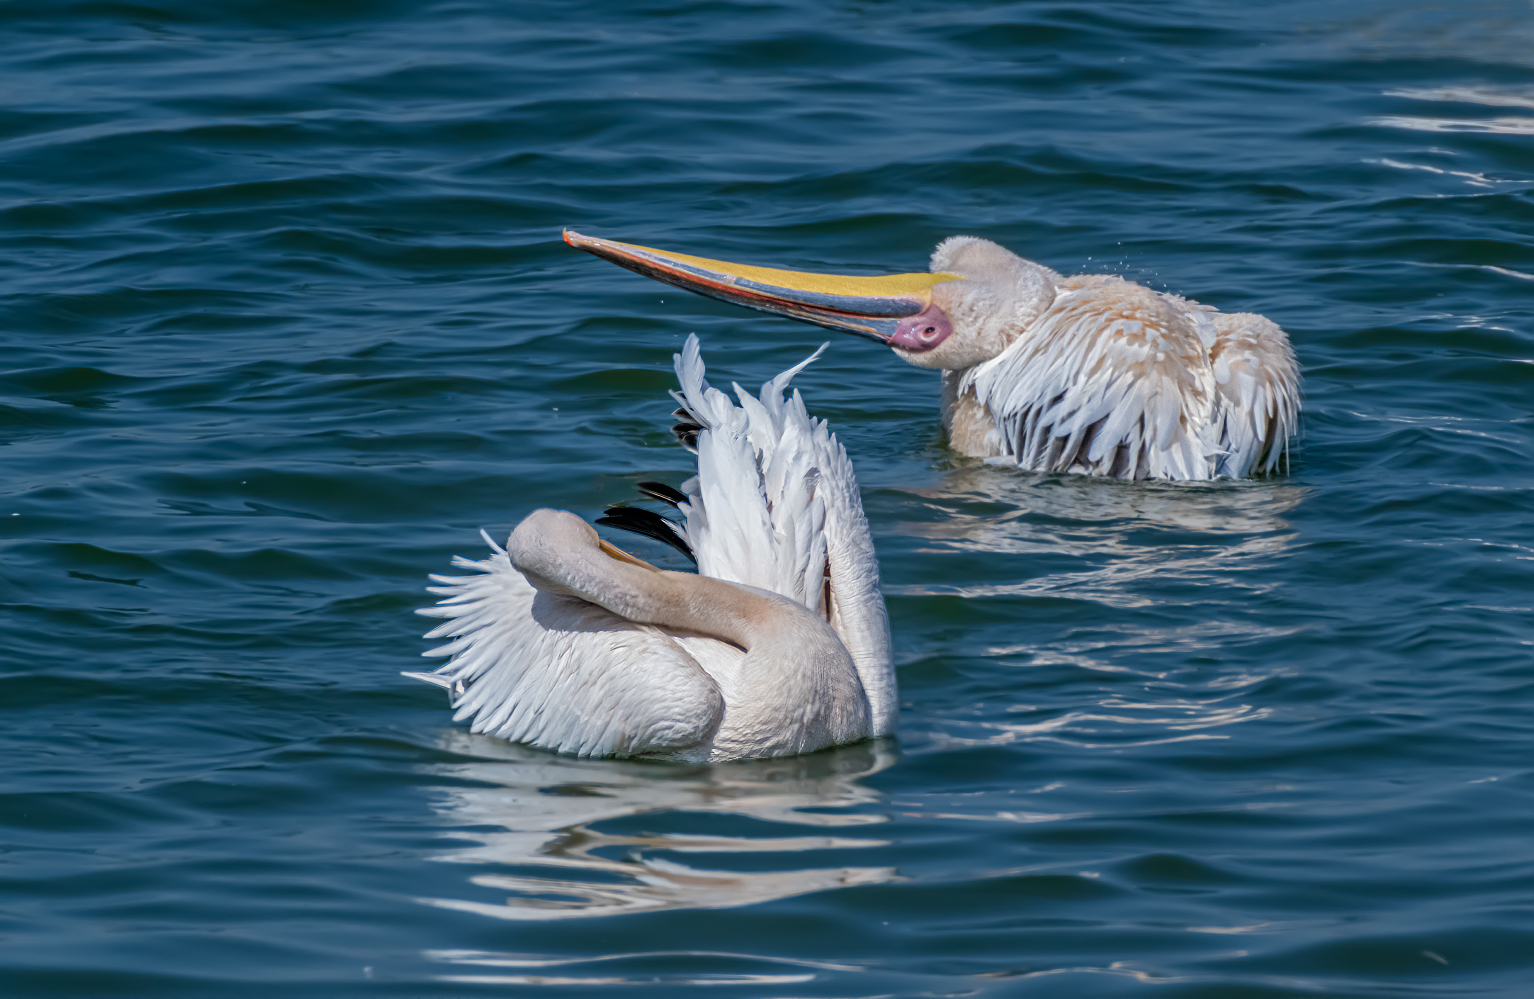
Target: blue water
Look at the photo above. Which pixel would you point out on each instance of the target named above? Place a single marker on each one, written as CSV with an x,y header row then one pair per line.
x,y
287,320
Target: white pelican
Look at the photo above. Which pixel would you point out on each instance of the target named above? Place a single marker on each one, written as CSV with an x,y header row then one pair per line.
x,y
778,645
1089,374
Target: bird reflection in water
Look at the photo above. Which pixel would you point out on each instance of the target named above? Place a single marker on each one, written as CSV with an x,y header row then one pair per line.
x,y
1114,535
530,821
1168,586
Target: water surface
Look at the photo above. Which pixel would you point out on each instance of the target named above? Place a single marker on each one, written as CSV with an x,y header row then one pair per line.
x,y
288,321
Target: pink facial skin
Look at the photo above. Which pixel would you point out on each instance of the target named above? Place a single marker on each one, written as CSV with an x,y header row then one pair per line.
x,y
920,333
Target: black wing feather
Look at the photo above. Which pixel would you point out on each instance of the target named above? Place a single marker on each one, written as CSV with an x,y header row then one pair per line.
x,y
649,524
661,491
687,428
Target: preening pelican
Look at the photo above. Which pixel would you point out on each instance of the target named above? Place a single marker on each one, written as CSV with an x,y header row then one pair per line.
x,y
1090,373
778,645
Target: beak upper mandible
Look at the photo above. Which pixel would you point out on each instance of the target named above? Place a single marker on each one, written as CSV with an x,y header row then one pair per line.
x,y
866,306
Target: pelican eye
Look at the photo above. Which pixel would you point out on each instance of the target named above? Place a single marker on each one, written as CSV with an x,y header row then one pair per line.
x,y
928,333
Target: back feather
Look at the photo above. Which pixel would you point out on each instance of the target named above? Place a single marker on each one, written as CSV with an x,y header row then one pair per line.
x,y
1113,380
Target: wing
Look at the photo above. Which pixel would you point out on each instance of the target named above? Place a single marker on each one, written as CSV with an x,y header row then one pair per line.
x,y
1257,393
856,599
776,505
1112,380
752,514
557,672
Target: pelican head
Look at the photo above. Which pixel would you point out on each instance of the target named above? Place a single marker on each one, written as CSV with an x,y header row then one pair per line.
x,y
976,299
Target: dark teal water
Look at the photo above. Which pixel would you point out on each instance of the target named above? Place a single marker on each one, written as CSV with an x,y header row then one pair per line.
x,y
287,320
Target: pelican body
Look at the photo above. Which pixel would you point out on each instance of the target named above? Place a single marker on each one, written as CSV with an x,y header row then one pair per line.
x,y
1091,374
778,645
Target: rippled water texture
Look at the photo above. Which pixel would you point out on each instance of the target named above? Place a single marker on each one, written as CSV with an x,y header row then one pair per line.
x,y
288,320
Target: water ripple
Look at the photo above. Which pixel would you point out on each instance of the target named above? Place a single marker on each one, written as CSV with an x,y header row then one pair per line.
x,y
288,322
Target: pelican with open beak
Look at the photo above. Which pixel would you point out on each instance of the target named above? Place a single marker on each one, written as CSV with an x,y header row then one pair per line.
x,y
1089,374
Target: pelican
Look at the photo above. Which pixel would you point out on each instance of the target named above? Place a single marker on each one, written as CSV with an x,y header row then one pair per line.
x,y
778,645
1091,374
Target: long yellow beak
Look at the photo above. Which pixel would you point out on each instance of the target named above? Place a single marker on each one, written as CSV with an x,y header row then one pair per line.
x,y
867,306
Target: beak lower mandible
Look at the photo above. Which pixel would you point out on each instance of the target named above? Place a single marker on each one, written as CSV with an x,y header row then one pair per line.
x,y
871,307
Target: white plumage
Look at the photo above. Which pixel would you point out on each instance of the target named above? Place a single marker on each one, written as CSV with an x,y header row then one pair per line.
x,y
779,645
1257,394
1090,374
1100,375
1114,379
